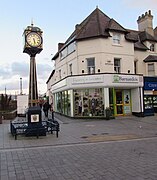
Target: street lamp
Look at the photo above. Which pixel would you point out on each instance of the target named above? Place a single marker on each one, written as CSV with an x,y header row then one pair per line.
x,y
21,86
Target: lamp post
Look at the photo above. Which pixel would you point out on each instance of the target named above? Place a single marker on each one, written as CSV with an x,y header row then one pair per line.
x,y
21,85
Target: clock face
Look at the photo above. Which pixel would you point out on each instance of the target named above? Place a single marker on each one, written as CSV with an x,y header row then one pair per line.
x,y
33,39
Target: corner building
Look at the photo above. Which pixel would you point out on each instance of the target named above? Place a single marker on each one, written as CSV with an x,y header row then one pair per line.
x,y
101,66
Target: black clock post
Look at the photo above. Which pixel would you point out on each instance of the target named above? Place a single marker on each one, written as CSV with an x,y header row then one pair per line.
x,y
33,45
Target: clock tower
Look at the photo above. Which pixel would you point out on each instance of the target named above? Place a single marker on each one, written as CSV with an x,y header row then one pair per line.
x,y
33,44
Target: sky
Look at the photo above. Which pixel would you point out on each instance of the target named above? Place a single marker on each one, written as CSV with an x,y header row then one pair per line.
x,y
57,19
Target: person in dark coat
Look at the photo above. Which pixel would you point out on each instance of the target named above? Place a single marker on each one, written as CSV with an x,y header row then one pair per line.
x,y
46,107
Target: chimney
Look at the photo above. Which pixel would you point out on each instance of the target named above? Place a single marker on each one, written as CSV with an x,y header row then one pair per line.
x,y
60,45
145,23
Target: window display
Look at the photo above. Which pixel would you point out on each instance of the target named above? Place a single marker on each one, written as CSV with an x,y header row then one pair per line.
x,y
148,103
88,102
63,102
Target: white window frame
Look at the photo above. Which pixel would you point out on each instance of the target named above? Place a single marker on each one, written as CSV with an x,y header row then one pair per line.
x,y
151,69
90,66
116,38
63,53
117,68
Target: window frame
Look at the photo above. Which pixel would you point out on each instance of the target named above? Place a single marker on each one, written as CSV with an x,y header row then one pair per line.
x,y
117,68
116,39
90,68
151,72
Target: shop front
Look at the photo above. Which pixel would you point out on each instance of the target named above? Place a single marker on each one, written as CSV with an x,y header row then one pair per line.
x,y
91,95
150,95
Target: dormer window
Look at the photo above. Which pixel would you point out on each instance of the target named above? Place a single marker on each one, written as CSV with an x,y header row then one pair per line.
x,y
116,38
152,47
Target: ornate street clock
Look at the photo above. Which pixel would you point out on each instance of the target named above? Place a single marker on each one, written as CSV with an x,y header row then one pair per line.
x,y
33,44
33,41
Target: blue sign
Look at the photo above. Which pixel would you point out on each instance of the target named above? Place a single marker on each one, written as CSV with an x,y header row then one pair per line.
x,y
150,85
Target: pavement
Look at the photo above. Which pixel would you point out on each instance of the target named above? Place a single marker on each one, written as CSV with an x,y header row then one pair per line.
x,y
84,131
82,144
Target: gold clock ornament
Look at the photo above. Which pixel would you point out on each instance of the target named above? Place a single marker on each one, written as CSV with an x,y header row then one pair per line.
x,y
33,39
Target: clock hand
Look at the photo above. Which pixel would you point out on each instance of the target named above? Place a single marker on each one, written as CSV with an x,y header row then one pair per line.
x,y
34,40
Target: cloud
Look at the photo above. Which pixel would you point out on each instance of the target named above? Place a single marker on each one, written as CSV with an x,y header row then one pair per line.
x,y
149,4
43,71
10,75
20,68
5,72
13,84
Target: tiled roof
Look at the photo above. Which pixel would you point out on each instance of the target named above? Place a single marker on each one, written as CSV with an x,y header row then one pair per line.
x,y
96,24
150,58
155,31
140,46
132,35
144,36
139,37
113,25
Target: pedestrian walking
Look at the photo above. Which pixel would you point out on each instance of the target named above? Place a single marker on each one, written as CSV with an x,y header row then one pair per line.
x,y
46,108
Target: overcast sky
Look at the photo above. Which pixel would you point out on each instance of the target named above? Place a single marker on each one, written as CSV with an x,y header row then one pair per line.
x,y
57,19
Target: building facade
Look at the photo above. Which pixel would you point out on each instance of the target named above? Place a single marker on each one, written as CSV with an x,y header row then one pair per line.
x,y
101,66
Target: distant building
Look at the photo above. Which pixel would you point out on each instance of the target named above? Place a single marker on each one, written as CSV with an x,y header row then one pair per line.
x,y
102,64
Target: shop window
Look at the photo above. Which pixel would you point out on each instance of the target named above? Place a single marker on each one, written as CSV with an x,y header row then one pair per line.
x,y
151,70
117,65
59,102
116,39
68,103
91,65
152,47
63,102
88,102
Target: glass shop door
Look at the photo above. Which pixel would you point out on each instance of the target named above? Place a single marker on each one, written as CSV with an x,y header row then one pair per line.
x,y
119,102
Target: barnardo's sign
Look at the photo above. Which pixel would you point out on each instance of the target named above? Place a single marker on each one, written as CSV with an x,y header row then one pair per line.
x,y
125,79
